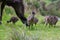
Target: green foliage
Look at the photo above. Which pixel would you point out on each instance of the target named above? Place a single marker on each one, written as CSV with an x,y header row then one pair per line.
x,y
52,11
9,10
27,1
36,4
52,0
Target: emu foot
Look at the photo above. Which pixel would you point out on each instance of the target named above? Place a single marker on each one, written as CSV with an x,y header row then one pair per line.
x,y
25,22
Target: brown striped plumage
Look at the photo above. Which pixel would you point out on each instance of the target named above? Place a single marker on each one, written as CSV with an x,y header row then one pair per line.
x,y
32,19
13,20
51,20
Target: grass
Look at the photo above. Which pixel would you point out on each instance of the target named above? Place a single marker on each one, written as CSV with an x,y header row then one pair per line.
x,y
19,31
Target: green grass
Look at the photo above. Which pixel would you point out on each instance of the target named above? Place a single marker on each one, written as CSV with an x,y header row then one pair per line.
x,y
19,31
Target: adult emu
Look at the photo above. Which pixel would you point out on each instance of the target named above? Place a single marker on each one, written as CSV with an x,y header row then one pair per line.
x,y
18,7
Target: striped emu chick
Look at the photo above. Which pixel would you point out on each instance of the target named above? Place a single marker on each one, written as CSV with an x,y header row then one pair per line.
x,y
35,21
46,20
54,20
13,20
51,20
30,19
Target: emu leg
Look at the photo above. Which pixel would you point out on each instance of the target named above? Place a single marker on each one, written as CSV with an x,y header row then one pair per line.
x,y
0,7
1,11
19,9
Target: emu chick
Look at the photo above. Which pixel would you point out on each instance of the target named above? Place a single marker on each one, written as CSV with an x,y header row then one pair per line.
x,y
51,20
35,20
30,19
13,19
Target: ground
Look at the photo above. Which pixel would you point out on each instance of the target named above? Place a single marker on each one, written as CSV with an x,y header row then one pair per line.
x,y
19,31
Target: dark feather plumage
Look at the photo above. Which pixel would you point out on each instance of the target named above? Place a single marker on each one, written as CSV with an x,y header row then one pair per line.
x,y
13,20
